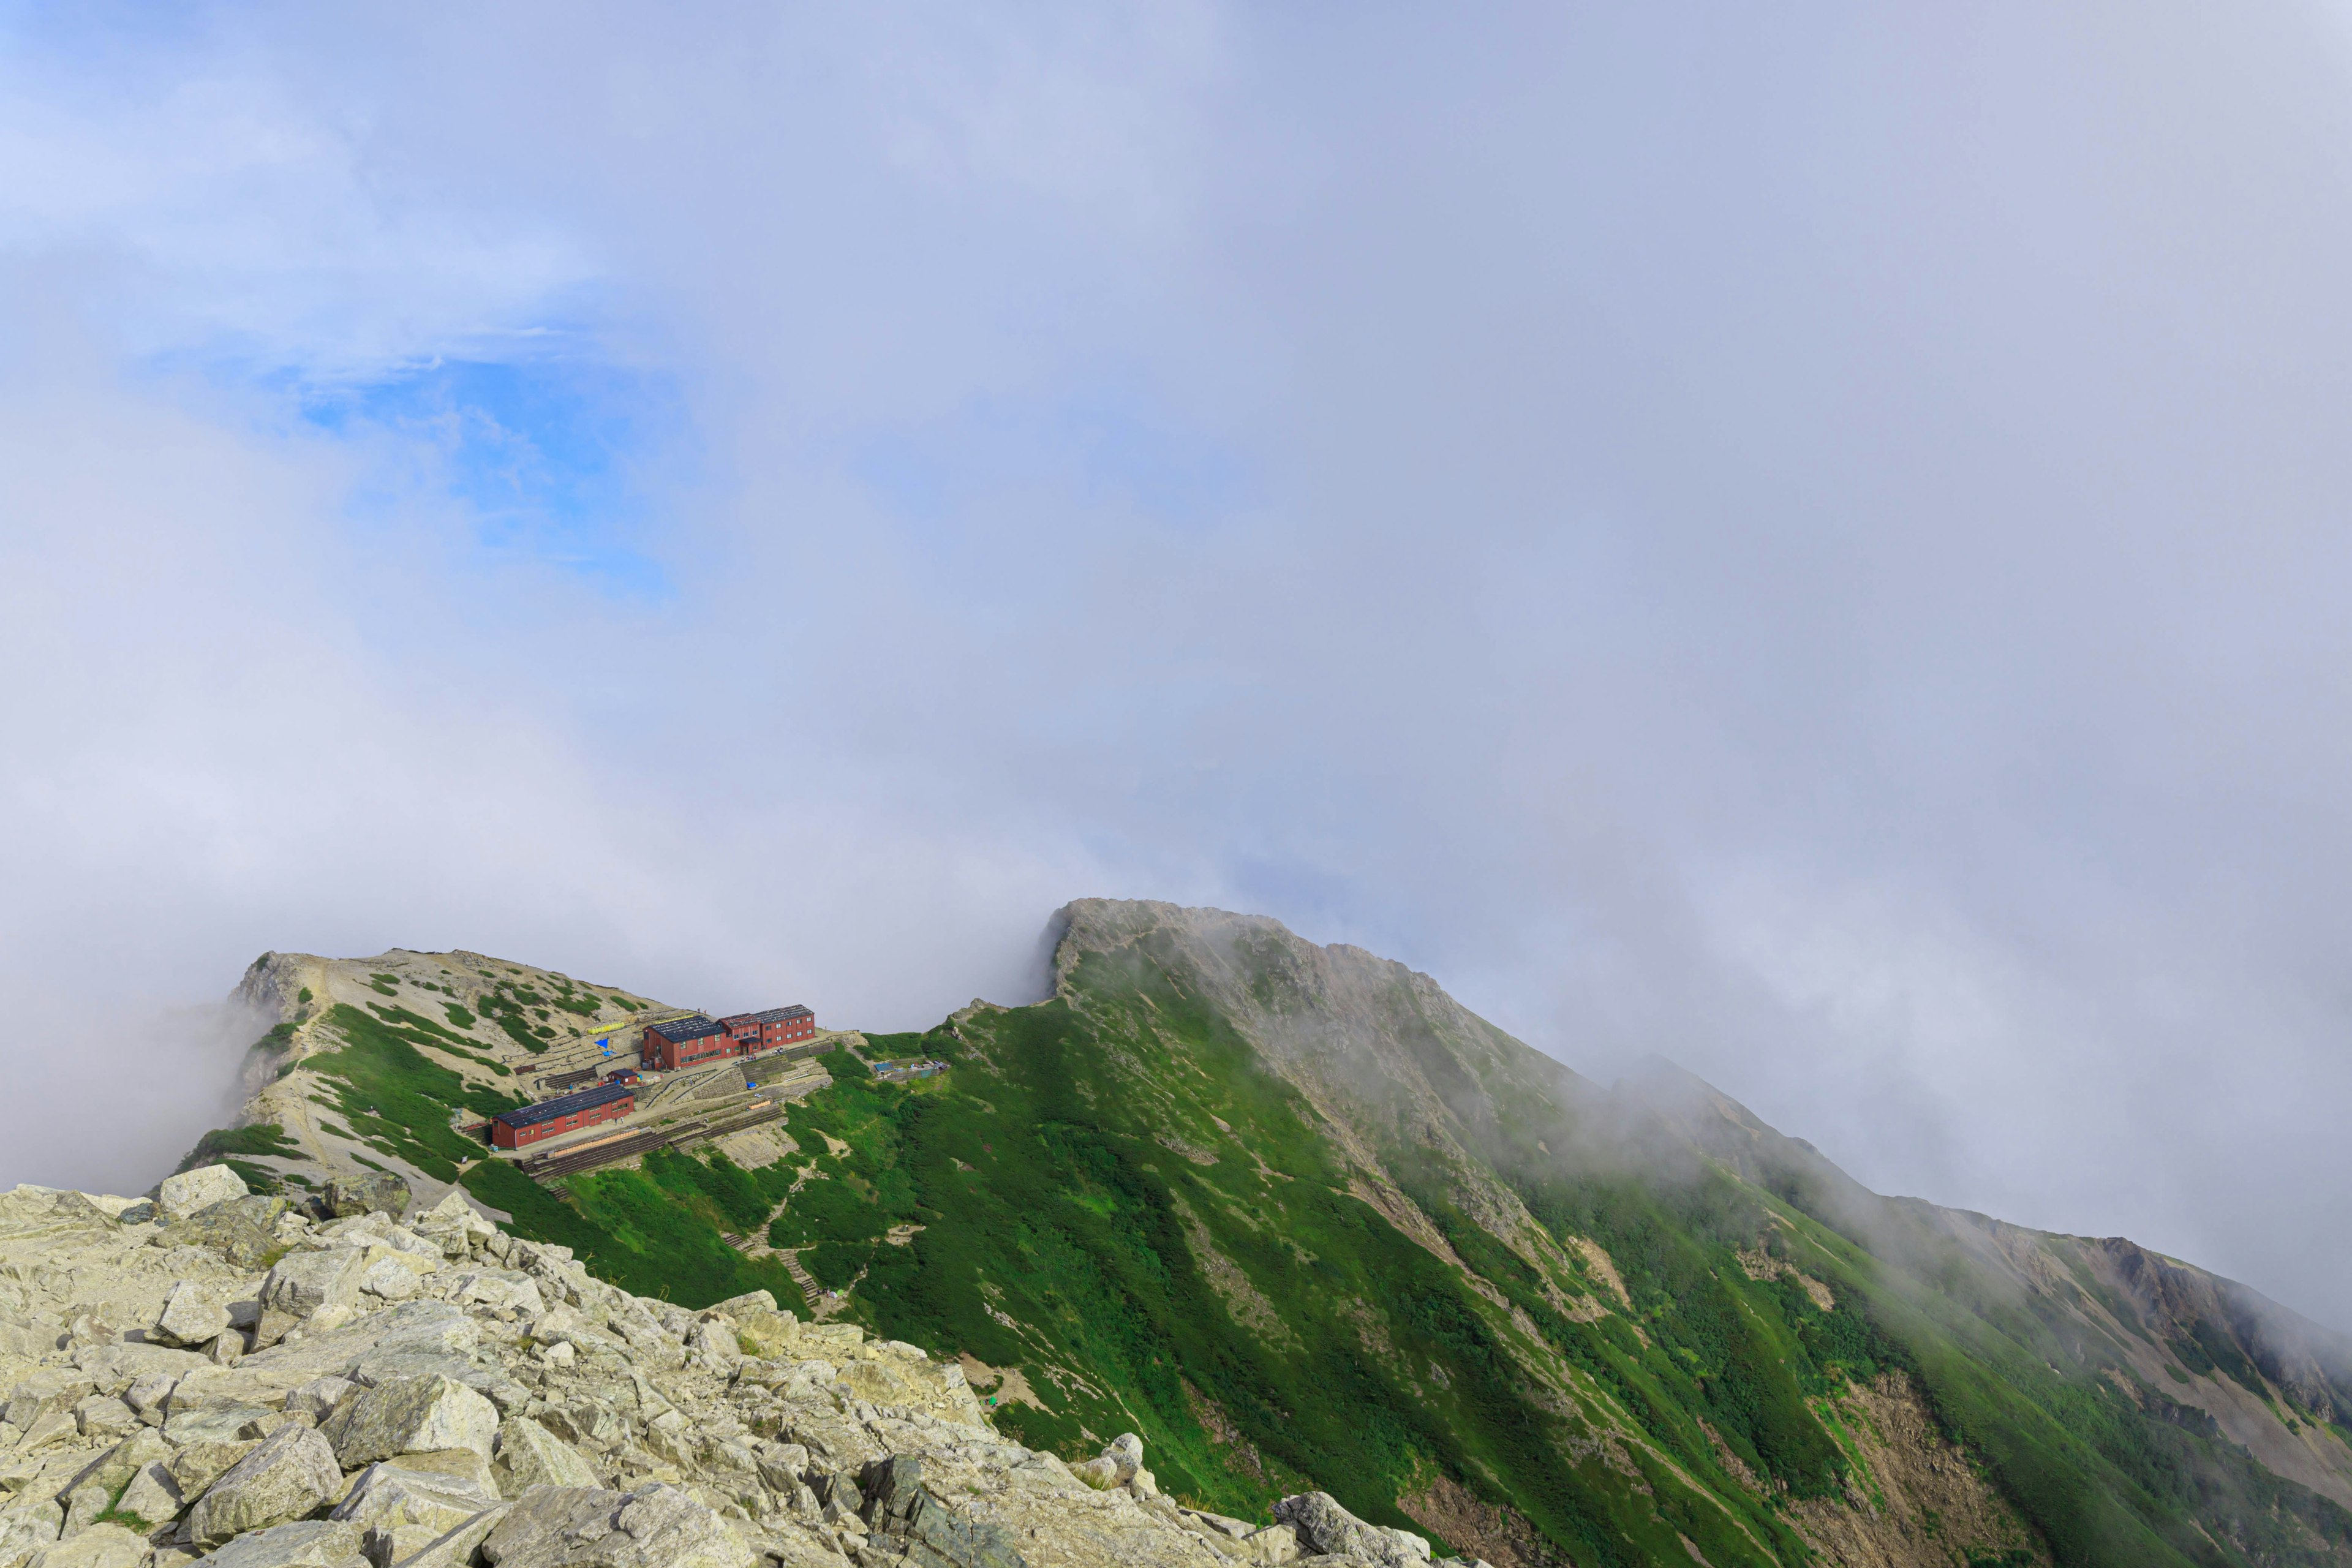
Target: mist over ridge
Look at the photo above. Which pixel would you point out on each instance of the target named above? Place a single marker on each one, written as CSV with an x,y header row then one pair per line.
x,y
1802,545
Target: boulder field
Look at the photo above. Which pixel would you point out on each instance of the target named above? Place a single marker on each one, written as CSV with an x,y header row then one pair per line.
x,y
216,1376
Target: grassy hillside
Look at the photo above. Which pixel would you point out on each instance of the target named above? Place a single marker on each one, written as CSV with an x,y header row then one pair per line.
x,y
1162,1226
1299,1220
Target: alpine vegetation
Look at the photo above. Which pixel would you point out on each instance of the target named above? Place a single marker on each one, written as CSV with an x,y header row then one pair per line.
x,y
1234,1249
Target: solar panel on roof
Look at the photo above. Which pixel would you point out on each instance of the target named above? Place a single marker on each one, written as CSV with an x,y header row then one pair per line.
x,y
565,1105
681,1029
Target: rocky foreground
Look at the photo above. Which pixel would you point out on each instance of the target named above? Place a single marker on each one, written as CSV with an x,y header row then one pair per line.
x,y
215,1376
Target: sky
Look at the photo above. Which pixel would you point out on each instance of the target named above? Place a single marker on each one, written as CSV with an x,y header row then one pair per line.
x,y
1810,541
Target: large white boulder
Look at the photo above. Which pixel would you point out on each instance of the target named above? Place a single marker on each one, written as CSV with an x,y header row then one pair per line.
x,y
434,1493
1324,1527
99,1546
190,1315
304,1544
576,1527
152,1496
410,1415
528,1455
185,1193
291,1474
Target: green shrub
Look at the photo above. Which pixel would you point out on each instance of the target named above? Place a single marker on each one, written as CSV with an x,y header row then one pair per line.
x,y
263,1138
396,1098
255,1177
633,1229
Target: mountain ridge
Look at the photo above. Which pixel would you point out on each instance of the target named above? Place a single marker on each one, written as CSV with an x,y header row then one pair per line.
x,y
1171,1196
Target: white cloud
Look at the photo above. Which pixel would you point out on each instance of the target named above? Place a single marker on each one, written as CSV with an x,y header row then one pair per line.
x,y
1809,547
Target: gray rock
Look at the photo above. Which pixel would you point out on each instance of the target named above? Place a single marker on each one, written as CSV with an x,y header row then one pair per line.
x,y
104,1416
1218,1524
500,1288
190,1315
99,1546
287,1475
148,1395
935,1534
781,1465
80,1208
714,1345
432,1492
112,1469
459,1548
219,1424
1275,1545
143,1212
184,1194
115,1365
52,1389
410,1415
300,1283
152,1496
417,1338
529,1454
574,1527
1324,1528
24,1530
307,1282
199,1465
305,1544
378,1192
318,1398
392,1280
242,1230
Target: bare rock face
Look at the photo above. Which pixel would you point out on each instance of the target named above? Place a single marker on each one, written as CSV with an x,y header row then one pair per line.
x,y
185,1194
906,1512
1326,1529
479,1422
152,1496
318,1398
191,1316
410,1416
304,1284
425,1495
99,1546
242,1230
529,1454
292,1472
375,1191
656,1526
306,1543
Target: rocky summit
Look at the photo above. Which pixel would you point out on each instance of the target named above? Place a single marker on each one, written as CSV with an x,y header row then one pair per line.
x,y
219,1377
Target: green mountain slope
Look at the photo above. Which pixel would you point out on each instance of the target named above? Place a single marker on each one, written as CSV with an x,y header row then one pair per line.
x,y
1300,1220
1293,1215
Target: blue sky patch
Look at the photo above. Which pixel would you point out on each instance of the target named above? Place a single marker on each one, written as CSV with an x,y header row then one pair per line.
x,y
556,460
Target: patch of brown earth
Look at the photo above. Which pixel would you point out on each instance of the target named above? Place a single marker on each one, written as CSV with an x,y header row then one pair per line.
x,y
1922,1502
1477,1527
997,1387
1759,1264
1247,1304
1604,1267
1240,1454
